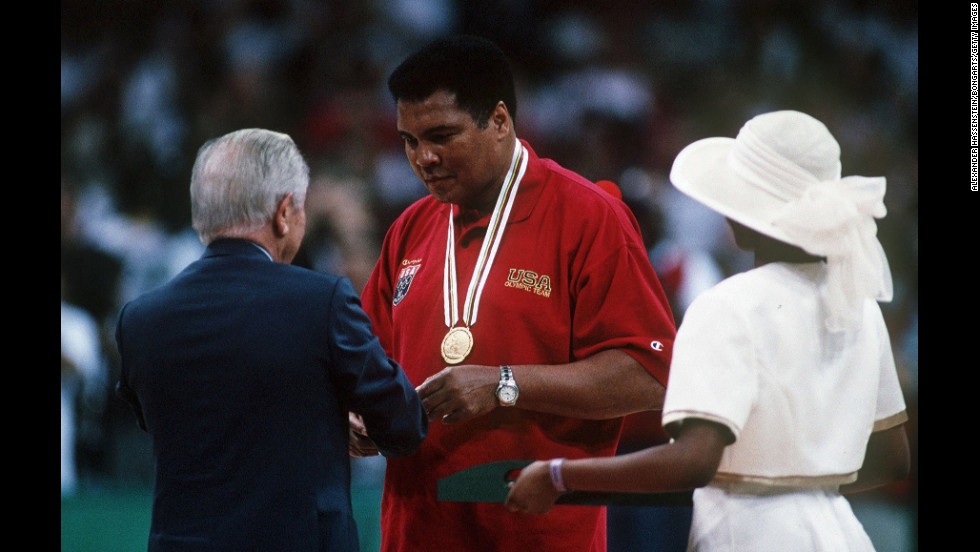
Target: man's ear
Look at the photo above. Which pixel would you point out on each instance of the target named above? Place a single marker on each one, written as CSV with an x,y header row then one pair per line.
x,y
500,118
280,226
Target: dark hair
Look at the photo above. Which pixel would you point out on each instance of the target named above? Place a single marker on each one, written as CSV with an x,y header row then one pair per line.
x,y
471,67
767,247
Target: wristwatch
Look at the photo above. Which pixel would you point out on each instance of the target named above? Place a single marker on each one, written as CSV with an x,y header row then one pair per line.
x,y
507,390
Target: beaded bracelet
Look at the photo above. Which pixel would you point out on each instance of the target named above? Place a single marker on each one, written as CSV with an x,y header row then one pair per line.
x,y
555,469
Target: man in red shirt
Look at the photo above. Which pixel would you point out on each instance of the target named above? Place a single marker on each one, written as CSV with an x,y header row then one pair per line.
x,y
518,297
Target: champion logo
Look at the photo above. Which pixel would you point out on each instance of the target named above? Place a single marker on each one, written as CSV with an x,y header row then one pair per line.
x,y
656,346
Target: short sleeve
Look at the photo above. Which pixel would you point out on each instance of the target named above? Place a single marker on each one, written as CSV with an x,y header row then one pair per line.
x,y
890,410
618,282
712,375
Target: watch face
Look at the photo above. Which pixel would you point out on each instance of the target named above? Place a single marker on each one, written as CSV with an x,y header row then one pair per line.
x,y
508,394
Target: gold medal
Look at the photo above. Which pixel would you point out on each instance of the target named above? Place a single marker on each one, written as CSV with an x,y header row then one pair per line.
x,y
459,341
456,345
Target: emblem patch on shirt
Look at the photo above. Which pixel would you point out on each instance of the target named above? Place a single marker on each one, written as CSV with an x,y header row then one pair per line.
x,y
405,278
529,280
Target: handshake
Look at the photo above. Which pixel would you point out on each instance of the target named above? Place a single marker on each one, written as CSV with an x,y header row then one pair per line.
x,y
359,444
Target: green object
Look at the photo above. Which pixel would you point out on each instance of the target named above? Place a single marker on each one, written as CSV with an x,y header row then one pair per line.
x,y
489,483
117,519
106,520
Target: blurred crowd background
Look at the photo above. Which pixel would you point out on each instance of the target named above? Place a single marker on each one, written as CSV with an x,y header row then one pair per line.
x,y
610,90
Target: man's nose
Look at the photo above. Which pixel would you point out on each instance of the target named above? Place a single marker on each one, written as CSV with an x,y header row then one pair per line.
x,y
426,157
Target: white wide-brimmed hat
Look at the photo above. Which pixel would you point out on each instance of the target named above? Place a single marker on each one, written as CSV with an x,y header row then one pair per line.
x,y
781,176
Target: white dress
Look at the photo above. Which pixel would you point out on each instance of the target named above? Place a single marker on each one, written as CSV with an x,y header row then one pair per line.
x,y
753,354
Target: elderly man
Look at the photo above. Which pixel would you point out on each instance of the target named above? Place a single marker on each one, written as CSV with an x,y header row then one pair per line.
x,y
243,369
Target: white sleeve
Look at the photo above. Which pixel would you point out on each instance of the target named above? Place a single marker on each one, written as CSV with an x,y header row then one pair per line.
x,y
712,374
890,409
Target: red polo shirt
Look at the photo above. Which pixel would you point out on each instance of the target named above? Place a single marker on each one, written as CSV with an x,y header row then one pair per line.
x,y
571,278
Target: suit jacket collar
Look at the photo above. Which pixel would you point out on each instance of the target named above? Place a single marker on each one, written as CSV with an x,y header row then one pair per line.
x,y
236,247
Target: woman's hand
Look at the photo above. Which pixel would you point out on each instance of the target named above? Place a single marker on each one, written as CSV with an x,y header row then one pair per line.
x,y
532,491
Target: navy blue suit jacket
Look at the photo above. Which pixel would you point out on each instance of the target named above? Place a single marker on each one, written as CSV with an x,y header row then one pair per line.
x,y
242,370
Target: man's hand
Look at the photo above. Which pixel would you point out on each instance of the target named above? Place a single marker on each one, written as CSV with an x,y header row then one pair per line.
x,y
359,444
460,393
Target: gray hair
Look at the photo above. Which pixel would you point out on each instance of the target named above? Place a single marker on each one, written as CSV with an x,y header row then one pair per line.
x,y
238,180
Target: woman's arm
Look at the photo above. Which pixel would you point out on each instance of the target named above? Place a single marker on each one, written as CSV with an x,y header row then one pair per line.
x,y
886,460
687,462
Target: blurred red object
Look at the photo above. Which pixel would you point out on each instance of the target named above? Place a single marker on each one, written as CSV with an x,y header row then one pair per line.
x,y
611,187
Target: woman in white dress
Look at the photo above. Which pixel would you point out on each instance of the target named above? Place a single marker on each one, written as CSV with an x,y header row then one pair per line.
x,y
783,392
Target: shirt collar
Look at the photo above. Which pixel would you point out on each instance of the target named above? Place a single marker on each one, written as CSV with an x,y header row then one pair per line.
x,y
262,249
527,197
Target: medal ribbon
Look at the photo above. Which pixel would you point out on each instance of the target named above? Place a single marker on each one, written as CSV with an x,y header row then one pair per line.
x,y
495,232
